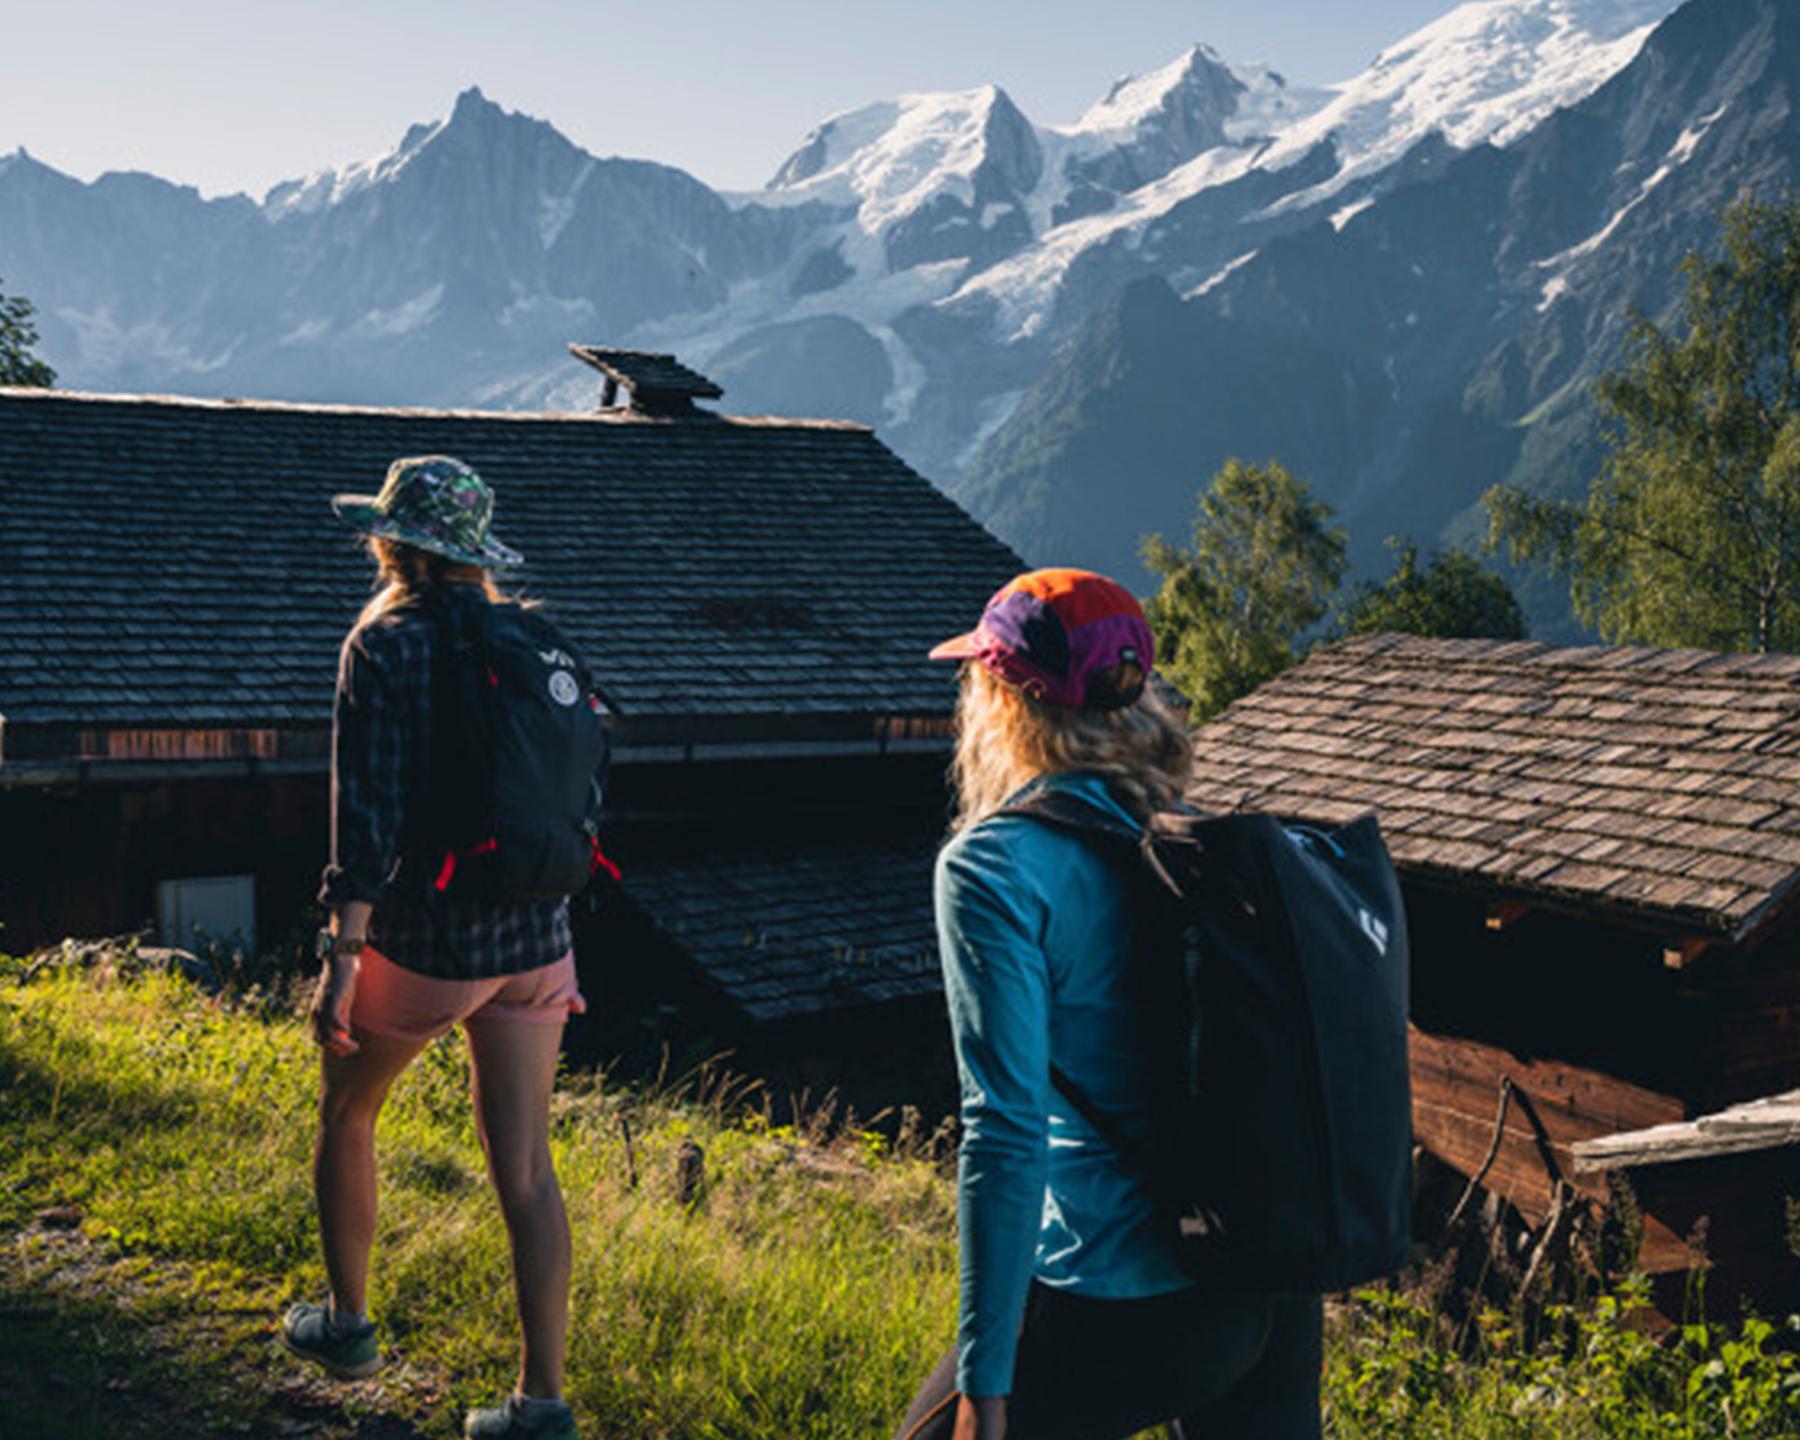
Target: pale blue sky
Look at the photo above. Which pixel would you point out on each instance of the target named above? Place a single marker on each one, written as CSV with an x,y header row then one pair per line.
x,y
238,94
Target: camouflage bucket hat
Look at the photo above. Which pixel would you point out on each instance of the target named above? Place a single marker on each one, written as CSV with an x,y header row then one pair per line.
x,y
435,503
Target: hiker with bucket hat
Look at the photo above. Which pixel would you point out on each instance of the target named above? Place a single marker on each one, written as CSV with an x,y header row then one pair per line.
x,y
1077,1319
465,754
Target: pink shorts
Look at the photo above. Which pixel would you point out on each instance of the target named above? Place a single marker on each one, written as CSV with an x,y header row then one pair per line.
x,y
396,1002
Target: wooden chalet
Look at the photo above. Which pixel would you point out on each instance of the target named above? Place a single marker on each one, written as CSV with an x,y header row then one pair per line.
x,y
1599,849
756,597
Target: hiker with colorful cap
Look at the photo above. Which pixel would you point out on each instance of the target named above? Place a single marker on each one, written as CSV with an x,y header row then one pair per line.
x,y
1076,1320
414,943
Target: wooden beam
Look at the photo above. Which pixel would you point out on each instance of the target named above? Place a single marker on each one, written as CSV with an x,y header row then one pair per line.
x,y
1502,913
1770,1123
172,743
1684,950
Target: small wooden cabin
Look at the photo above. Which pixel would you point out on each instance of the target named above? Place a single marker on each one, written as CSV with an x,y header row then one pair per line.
x,y
1599,849
756,597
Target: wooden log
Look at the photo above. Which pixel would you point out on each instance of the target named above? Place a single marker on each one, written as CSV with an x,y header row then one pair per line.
x,y
1562,1127
1768,1124
1581,1100
1455,1083
1516,1173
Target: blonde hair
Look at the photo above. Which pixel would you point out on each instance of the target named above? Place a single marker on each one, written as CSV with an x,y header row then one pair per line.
x,y
1005,739
404,573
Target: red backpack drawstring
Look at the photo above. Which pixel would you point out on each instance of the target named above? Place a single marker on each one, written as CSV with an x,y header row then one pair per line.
x,y
447,871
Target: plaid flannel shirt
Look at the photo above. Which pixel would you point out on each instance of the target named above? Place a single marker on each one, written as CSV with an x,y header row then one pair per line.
x,y
381,744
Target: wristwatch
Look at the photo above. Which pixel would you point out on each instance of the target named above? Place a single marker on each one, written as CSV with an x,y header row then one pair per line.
x,y
330,945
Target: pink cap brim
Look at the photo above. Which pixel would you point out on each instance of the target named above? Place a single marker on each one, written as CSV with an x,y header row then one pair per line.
x,y
963,647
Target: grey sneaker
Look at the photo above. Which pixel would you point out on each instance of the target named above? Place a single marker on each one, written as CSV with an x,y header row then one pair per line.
x,y
514,1419
307,1331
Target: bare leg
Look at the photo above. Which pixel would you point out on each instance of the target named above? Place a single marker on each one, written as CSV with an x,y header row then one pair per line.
x,y
351,1093
515,1070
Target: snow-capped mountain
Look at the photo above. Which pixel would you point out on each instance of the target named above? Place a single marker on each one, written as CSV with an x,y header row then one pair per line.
x,y
1486,73
1436,341
916,263
957,246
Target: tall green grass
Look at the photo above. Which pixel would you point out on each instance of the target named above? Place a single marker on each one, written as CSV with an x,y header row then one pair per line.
x,y
804,1295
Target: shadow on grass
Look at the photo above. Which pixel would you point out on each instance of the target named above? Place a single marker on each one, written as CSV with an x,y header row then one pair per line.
x,y
92,1346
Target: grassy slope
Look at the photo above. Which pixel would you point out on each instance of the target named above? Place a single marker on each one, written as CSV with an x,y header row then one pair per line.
x,y
803,1298
799,1299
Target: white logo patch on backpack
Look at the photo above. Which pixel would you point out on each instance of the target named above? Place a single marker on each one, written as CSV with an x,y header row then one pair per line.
x,y
1374,929
563,689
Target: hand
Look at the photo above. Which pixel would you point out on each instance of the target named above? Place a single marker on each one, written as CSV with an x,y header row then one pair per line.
x,y
330,1010
983,1419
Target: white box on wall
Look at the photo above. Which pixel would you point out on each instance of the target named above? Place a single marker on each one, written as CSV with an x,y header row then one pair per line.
x,y
222,908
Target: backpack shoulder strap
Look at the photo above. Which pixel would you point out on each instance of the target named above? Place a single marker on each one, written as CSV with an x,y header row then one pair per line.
x,y
1084,819
1135,1156
1070,813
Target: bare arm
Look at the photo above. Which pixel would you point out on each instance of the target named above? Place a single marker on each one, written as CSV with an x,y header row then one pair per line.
x,y
330,1011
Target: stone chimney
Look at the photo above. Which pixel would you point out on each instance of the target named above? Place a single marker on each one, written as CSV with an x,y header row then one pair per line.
x,y
654,384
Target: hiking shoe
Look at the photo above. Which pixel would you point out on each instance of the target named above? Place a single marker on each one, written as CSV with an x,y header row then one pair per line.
x,y
307,1331
516,1418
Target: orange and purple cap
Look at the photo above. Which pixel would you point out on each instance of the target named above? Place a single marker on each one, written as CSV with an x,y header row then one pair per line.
x,y
1059,635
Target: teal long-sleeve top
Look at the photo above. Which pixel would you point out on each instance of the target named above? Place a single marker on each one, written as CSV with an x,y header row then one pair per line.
x,y
1034,927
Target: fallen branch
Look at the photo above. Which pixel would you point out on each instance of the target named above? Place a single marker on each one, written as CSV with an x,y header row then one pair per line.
x,y
1487,1164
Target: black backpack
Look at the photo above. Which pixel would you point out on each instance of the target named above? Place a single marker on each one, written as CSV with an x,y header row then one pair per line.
x,y
518,758
1272,987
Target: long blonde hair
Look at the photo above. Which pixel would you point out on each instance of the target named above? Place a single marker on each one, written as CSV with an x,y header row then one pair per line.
x,y
404,573
1005,740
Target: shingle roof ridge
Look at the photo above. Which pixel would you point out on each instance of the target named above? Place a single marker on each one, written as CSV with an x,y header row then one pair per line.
x,y
423,412
1419,651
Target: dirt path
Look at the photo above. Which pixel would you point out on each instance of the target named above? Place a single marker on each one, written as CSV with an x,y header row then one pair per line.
x,y
96,1346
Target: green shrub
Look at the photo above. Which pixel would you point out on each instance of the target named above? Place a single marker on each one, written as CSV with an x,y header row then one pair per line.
x,y
1395,1370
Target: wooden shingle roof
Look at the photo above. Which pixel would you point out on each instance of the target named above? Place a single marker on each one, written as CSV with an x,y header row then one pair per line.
x,y
173,562
1662,785
801,931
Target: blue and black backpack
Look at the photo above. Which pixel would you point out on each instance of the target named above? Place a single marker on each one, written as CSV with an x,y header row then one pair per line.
x,y
1272,990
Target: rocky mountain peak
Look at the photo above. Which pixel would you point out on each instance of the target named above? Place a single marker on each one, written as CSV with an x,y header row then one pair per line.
x,y
471,105
1195,93
477,121
475,125
1014,161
